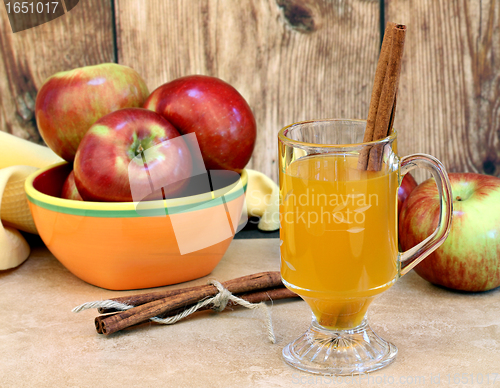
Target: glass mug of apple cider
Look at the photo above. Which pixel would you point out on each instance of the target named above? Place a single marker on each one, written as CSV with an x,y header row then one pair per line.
x,y
339,237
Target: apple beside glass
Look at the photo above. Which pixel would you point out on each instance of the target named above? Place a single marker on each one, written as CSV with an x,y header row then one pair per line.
x,y
408,184
469,259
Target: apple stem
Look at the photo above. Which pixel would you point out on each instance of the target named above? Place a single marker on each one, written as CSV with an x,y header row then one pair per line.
x,y
459,198
139,149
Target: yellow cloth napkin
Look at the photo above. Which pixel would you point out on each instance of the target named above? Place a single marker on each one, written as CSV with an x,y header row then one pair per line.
x,y
18,159
262,200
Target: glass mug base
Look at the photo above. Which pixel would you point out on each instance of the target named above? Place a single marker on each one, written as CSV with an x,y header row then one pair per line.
x,y
339,352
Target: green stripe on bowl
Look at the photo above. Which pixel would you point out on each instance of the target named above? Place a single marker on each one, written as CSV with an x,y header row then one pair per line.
x,y
151,212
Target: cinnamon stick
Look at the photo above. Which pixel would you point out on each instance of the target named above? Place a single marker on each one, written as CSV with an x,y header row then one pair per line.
x,y
136,300
387,97
253,297
113,323
140,299
382,103
378,83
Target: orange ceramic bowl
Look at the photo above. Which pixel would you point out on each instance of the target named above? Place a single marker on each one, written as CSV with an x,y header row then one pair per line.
x,y
131,245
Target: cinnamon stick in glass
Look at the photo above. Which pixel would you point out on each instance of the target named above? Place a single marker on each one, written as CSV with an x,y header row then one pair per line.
x,y
382,103
378,83
387,97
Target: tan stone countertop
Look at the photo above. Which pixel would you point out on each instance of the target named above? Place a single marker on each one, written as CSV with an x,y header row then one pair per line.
x,y
444,338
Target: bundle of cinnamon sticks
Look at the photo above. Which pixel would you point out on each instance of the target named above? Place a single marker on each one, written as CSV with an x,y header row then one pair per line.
x,y
254,288
383,100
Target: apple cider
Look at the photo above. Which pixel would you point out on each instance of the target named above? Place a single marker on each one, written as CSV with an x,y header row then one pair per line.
x,y
338,235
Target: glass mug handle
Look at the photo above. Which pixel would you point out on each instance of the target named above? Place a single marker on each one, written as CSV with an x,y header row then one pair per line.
x,y
415,255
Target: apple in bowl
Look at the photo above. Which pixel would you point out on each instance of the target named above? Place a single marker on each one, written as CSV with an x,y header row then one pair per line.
x,y
469,259
69,102
110,159
215,111
69,190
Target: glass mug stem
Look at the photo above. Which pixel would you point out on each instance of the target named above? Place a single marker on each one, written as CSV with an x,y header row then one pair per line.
x,y
409,259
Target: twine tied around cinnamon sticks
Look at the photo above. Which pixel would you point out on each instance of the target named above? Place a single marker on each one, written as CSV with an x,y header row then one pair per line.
x,y
170,306
218,302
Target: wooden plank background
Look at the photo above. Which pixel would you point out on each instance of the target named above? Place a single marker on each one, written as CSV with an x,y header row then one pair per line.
x,y
449,101
291,59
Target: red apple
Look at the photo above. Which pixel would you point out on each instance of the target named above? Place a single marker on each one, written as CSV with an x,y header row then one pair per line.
x,y
69,190
469,259
127,149
408,184
221,118
69,102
